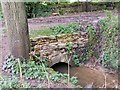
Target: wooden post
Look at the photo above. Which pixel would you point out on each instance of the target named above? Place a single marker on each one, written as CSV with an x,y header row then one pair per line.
x,y
17,28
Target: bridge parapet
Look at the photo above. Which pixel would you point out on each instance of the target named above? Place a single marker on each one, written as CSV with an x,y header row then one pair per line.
x,y
54,47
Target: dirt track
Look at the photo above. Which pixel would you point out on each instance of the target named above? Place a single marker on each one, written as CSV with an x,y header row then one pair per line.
x,y
36,23
83,18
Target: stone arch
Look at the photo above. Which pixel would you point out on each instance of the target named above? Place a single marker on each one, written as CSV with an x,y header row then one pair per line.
x,y
54,63
61,67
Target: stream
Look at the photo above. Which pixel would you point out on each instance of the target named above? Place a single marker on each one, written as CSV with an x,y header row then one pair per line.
x,y
87,76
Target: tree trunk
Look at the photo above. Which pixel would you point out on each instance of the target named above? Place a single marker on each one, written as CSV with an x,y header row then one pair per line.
x,y
17,28
86,6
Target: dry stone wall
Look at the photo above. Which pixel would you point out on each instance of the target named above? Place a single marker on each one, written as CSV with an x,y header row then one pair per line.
x,y
54,47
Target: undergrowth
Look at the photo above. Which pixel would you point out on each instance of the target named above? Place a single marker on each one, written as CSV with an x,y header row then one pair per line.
x,y
64,29
59,29
71,53
11,82
34,70
92,38
110,32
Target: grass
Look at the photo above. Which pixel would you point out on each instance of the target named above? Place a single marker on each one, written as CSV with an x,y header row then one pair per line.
x,y
46,31
59,29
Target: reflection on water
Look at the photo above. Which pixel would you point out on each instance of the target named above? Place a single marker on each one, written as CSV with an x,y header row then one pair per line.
x,y
87,75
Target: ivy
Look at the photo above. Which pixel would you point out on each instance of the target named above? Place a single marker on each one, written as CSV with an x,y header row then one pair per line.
x,y
72,53
12,82
30,68
109,27
92,38
34,70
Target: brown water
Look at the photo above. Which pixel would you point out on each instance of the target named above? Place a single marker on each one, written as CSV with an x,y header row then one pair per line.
x,y
88,76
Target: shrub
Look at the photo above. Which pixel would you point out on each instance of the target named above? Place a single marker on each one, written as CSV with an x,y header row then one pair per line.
x,y
37,9
92,38
110,30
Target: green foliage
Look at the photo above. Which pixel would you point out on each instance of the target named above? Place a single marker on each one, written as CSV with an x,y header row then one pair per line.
x,y
91,34
59,76
43,31
61,11
60,29
71,52
64,29
60,1
1,15
34,70
109,27
37,9
91,42
74,80
76,59
69,47
30,69
56,76
42,10
11,82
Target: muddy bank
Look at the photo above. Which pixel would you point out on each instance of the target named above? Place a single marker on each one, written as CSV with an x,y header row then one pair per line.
x,y
88,76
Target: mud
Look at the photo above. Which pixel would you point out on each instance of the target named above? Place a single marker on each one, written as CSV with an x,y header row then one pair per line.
x,y
89,75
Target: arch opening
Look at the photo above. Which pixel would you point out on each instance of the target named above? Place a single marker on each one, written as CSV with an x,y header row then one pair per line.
x,y
61,67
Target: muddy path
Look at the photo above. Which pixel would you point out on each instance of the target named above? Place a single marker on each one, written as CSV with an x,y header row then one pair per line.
x,y
83,18
87,75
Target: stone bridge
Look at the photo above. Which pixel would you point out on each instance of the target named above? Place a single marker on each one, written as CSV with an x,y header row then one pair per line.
x,y
54,47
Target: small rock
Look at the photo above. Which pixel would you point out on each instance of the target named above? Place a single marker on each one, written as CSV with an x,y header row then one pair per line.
x,y
89,86
62,51
64,57
75,46
53,46
37,47
33,43
56,59
45,53
61,45
45,47
53,54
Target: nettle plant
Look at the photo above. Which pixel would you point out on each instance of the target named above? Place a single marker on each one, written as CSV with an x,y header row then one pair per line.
x,y
110,30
